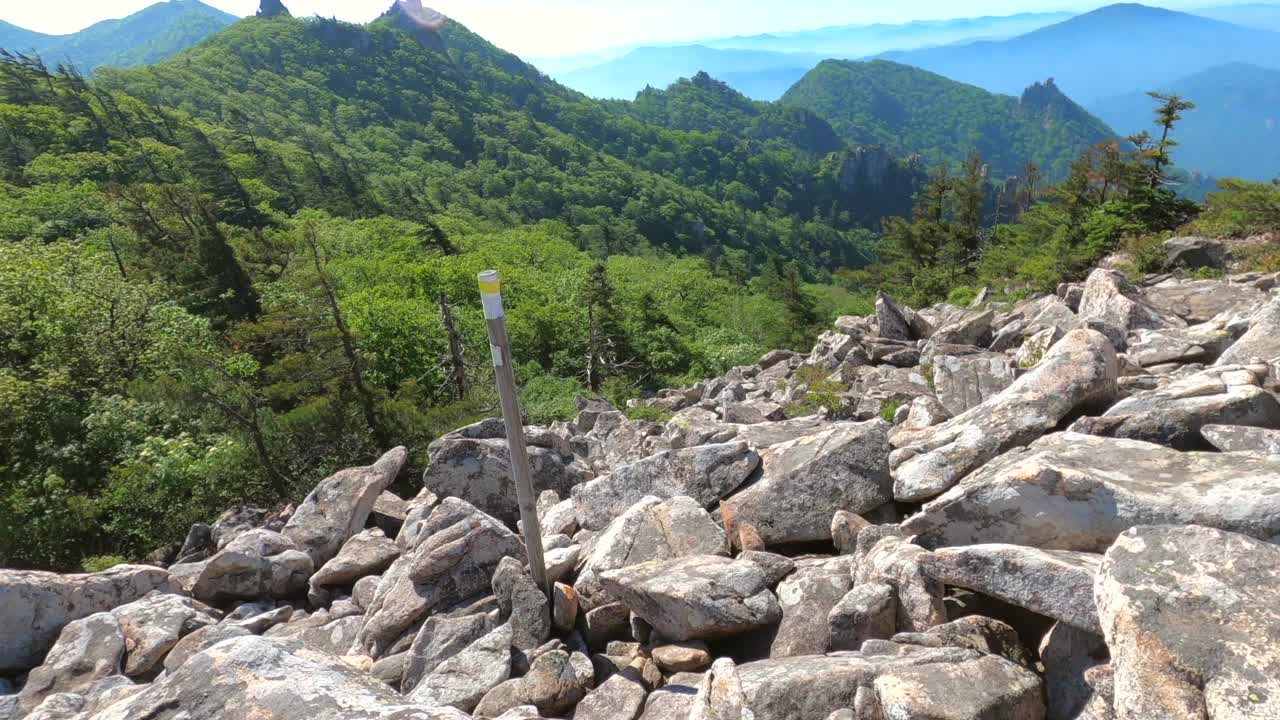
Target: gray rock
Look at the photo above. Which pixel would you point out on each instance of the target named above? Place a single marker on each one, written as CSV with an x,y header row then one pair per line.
x,y
390,669
439,639
967,381
652,529
706,473
153,625
521,604
775,567
340,505
922,683
561,562
753,412
87,650
1262,341
235,522
674,700
720,695
334,637
389,512
1195,252
559,518
251,675
899,564
807,598
804,482
199,641
464,679
1047,582
1079,492
867,612
367,553
1189,614
261,621
1198,301
696,597
972,632
973,329
257,564
845,527
605,623
621,697
891,320
1068,655
36,606
454,562
61,706
1079,372
474,464
1233,438
556,681
1111,299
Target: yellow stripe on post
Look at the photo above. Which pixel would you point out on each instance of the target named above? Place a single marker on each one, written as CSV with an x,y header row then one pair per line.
x,y
491,294
490,287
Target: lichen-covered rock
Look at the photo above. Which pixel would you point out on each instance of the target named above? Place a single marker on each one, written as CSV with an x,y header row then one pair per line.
x,y
257,564
652,529
556,681
805,481
1111,299
259,677
1234,438
1191,619
462,680
455,560
154,624
1080,371
439,639
36,606
700,596
1079,492
521,604
899,564
474,464
807,597
1047,582
867,612
705,473
966,381
1262,341
87,650
621,697
201,640
367,553
340,505
986,687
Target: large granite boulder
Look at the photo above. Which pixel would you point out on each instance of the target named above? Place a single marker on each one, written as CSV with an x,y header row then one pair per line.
x,y
1261,341
87,650
440,638
805,481
807,597
1111,299
1233,438
1079,492
966,381
278,679
257,564
705,473
154,624
474,464
36,606
699,596
366,553
1191,619
1195,252
455,561
340,505
462,680
948,683
895,562
556,681
1199,301
1079,372
1047,582
652,529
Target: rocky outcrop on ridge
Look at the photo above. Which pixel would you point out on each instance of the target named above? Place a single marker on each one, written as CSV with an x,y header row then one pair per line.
x,y
1063,508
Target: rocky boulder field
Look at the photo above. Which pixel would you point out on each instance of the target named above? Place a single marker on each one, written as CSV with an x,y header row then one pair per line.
x,y
1062,508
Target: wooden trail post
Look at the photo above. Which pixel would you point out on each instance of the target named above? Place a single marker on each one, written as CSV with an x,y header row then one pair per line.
x,y
508,394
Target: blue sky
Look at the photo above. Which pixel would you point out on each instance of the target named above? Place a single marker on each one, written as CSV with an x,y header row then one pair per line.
x,y
562,27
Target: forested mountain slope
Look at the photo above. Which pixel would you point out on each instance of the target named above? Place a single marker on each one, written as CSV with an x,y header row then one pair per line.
x,y
148,36
909,110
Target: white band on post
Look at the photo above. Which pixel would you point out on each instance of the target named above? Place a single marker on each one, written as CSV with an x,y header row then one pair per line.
x,y
491,295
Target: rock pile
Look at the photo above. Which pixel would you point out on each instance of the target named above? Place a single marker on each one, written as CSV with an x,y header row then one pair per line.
x,y
1062,508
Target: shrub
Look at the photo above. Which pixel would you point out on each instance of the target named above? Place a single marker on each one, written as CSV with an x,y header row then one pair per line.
x,y
546,398
98,563
652,414
889,411
1239,208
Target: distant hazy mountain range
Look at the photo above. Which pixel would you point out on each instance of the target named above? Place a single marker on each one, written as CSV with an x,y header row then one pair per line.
x,y
1234,129
148,36
1114,50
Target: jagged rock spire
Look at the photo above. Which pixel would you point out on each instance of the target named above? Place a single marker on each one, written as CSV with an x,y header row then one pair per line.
x,y
272,8
423,17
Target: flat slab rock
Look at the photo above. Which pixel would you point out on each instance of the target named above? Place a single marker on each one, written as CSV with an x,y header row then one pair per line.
x,y
1079,492
278,679
696,597
1191,618
921,683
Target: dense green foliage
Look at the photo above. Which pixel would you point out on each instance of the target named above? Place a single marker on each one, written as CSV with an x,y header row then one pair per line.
x,y
909,110
150,35
222,277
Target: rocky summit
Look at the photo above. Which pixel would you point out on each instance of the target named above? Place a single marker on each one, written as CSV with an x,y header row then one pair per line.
x,y
1063,508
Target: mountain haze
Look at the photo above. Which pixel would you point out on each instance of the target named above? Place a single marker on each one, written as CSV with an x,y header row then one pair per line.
x,y
147,36
1113,50
623,77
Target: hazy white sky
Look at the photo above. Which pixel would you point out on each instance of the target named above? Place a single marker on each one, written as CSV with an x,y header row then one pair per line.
x,y
559,27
